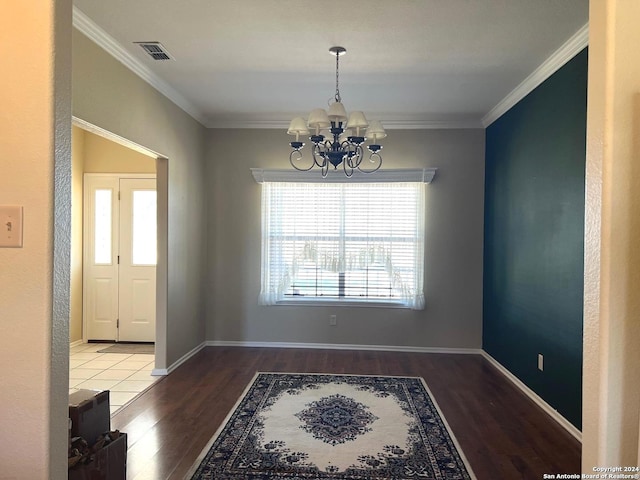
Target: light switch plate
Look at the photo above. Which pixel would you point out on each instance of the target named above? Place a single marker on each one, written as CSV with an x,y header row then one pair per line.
x,y
10,226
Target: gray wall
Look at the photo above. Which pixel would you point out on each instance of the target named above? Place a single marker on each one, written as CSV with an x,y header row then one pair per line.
x,y
453,258
110,96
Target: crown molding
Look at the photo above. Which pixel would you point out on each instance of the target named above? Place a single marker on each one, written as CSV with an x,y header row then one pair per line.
x,y
261,124
388,124
552,64
87,26
431,124
565,53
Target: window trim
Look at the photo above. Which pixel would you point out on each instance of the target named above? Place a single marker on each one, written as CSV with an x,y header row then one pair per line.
x,y
424,175
338,302
261,176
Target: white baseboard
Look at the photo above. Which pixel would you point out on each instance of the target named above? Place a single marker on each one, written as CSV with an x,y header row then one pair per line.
x,y
76,343
343,346
158,372
552,412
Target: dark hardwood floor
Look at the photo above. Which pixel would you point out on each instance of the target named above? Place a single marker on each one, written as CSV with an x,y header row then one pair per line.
x,y
503,434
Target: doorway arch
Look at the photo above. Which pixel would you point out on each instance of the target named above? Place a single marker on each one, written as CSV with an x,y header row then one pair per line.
x,y
162,185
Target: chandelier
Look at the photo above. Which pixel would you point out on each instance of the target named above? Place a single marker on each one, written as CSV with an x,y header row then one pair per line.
x,y
345,143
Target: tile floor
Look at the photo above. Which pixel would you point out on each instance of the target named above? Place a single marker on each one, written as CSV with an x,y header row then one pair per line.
x,y
124,375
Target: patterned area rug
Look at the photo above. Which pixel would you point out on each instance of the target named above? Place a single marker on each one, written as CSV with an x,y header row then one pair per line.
x,y
314,426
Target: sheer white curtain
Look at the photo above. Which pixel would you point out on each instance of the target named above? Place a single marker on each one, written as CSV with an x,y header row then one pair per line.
x,y
339,241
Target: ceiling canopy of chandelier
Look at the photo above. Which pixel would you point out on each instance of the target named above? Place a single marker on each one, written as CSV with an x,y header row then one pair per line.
x,y
345,143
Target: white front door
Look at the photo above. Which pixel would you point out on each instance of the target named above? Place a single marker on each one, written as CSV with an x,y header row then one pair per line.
x,y
120,258
138,247
100,257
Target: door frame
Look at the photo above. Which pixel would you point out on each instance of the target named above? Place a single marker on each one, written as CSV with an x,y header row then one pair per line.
x,y
162,272
86,233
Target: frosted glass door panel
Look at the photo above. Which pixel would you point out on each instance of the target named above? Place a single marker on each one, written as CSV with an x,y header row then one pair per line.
x,y
144,228
103,232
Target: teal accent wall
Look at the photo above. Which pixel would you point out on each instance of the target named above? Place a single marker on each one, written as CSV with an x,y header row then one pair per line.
x,y
534,237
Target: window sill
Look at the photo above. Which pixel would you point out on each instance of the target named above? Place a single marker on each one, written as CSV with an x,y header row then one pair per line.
x,y
315,302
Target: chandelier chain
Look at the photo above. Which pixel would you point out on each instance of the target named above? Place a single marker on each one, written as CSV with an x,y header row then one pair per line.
x,y
337,97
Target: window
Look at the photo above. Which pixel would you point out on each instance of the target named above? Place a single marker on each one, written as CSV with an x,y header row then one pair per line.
x,y
102,239
144,250
343,241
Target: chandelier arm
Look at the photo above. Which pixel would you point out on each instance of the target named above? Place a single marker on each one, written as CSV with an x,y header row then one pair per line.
x,y
299,157
318,153
359,156
327,145
354,154
325,168
374,158
343,148
348,169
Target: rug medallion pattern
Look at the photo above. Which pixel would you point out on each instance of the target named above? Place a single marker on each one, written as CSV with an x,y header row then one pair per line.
x,y
336,419
312,426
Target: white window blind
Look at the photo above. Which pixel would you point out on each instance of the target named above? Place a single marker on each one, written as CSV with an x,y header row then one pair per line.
x,y
343,242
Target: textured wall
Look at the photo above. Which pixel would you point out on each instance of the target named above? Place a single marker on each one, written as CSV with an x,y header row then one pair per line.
x,y
534,229
453,259
77,165
612,251
34,285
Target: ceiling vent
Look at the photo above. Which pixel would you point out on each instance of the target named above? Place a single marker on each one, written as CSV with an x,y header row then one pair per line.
x,y
155,50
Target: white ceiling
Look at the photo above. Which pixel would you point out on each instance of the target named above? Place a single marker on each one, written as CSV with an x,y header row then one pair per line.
x,y
408,62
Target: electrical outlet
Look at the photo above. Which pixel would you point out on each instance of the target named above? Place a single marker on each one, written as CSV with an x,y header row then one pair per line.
x,y
540,362
332,320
